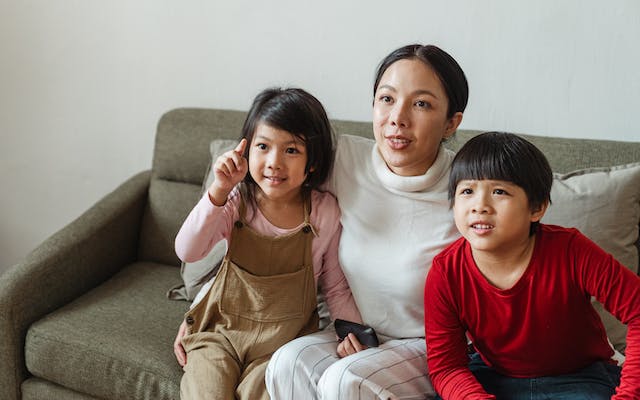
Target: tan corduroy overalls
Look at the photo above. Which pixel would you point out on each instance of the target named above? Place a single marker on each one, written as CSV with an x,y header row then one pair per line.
x,y
263,296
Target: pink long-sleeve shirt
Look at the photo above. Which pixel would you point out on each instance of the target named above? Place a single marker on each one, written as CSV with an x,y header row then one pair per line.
x,y
207,224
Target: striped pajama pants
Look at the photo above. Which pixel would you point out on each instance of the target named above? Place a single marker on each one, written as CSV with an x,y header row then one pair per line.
x,y
309,368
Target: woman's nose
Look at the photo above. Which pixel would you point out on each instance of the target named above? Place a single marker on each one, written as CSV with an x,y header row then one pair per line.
x,y
399,115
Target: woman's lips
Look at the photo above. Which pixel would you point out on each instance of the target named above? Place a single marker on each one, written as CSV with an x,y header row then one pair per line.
x,y
397,142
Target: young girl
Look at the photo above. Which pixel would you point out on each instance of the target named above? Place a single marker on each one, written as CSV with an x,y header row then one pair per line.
x,y
282,243
521,290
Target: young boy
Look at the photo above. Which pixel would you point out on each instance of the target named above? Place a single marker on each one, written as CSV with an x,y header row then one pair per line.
x,y
520,291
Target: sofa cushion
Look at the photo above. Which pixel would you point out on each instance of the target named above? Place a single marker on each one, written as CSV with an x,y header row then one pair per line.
x,y
181,150
604,204
196,274
169,204
114,342
38,389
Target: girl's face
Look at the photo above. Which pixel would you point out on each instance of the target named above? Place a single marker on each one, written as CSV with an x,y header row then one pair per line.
x,y
277,160
410,117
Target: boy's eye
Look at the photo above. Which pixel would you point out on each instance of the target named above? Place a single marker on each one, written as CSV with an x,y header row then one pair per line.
x,y
261,146
292,150
385,99
422,104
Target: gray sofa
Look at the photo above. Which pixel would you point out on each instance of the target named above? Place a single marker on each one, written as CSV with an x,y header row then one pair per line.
x,y
85,315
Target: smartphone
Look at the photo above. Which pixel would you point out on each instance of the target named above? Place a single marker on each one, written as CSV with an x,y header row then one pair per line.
x,y
365,334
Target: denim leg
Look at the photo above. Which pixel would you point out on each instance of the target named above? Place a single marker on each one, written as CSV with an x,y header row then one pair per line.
x,y
594,382
503,387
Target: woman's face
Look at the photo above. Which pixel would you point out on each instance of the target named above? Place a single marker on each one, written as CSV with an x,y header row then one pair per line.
x,y
410,117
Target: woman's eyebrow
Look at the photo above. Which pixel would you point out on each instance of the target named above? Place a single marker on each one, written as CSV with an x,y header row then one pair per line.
x,y
425,91
415,92
388,87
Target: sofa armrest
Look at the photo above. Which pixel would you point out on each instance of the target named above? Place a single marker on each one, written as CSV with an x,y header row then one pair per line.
x,y
74,260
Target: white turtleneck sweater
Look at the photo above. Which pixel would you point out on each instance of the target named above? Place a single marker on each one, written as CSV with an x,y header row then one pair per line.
x,y
393,226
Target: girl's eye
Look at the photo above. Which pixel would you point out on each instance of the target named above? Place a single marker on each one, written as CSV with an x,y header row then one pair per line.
x,y
385,99
292,150
466,191
261,146
423,104
499,191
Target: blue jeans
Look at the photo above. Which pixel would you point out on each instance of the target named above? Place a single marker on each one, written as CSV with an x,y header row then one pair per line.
x,y
594,382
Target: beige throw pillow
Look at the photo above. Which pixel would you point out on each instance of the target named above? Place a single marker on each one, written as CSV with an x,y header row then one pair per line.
x,y
604,204
196,274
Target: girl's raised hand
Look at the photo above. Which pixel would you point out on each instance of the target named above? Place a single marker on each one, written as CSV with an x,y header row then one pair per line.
x,y
229,170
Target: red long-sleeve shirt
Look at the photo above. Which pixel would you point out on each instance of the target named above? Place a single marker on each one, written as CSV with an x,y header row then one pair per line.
x,y
543,325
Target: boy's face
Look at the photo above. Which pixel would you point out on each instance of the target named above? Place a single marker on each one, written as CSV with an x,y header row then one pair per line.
x,y
494,216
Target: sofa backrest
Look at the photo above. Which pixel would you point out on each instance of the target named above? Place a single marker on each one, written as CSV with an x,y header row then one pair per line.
x,y
181,159
566,155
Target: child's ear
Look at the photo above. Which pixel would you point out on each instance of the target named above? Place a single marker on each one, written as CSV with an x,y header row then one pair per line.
x,y
536,215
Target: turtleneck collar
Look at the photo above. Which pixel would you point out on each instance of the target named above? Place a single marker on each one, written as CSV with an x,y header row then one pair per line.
x,y
418,183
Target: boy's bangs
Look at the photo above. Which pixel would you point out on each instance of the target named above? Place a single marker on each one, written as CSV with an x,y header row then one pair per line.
x,y
497,162
491,166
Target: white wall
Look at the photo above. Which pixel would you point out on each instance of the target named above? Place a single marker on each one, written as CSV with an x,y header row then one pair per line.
x,y
83,82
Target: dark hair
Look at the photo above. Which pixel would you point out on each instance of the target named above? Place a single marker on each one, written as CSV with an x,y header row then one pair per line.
x,y
300,113
505,157
446,67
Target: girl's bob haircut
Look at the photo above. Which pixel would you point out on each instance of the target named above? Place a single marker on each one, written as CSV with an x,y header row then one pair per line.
x,y
296,111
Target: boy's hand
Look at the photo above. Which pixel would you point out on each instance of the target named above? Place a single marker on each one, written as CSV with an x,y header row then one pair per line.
x,y
350,345
178,350
229,170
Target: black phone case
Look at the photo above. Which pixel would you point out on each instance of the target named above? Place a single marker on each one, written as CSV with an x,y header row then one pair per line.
x,y
365,334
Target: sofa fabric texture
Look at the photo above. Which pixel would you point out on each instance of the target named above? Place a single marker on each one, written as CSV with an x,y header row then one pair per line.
x,y
104,337
100,325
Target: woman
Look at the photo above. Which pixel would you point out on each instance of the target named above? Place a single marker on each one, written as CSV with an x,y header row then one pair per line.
x,y
396,218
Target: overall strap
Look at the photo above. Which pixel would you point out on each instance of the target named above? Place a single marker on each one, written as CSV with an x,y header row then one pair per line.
x,y
307,216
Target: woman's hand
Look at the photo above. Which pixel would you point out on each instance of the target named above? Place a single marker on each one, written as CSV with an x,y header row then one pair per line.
x,y
350,345
228,170
178,350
